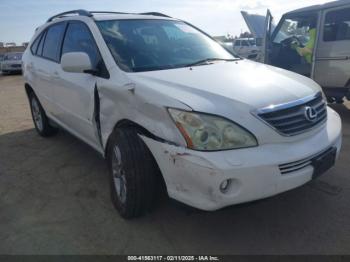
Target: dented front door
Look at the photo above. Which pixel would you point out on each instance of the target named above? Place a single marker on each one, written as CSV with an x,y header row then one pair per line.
x,y
74,96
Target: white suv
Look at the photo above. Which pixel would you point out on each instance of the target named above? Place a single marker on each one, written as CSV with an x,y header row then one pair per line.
x,y
167,105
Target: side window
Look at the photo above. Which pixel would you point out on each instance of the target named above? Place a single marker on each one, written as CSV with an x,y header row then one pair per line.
x,y
244,43
53,41
35,44
39,51
79,39
238,43
337,25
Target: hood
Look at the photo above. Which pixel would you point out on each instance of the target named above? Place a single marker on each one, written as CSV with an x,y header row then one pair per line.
x,y
256,24
209,86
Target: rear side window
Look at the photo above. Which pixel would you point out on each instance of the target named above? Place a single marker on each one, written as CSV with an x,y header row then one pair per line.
x,y
78,38
53,42
337,25
245,43
35,44
39,51
237,43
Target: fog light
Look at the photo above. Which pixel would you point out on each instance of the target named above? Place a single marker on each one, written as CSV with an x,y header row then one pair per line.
x,y
225,185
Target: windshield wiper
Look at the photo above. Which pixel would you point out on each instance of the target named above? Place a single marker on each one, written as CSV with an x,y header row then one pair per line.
x,y
208,60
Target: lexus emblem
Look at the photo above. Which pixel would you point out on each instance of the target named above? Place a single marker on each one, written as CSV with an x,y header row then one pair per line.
x,y
310,114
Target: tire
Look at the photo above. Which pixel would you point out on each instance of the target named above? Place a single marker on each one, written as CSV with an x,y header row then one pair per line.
x,y
41,121
134,174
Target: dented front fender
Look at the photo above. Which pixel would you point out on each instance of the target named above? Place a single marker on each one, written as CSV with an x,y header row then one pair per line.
x,y
138,104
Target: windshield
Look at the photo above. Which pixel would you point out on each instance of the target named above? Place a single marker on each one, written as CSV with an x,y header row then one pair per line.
x,y
296,27
13,56
145,45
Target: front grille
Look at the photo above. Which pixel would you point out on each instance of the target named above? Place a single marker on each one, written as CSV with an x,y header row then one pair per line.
x,y
291,118
15,66
295,166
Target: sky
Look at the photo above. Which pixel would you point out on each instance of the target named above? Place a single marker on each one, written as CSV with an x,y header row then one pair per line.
x,y
19,18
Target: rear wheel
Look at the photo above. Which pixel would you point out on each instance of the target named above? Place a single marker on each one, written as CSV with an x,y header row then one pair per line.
x,y
134,174
41,121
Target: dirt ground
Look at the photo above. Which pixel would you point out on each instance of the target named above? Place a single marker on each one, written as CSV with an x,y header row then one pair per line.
x,y
54,199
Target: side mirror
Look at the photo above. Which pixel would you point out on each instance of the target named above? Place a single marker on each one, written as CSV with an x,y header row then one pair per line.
x,y
76,62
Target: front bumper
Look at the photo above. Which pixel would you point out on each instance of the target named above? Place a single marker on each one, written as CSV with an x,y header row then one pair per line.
x,y
194,177
11,67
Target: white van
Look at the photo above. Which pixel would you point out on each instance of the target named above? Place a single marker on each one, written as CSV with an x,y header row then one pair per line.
x,y
247,48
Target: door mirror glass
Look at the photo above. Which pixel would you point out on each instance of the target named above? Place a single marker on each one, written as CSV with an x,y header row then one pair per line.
x,y
76,62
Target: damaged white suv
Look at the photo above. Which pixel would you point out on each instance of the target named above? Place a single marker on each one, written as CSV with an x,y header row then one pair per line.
x,y
166,104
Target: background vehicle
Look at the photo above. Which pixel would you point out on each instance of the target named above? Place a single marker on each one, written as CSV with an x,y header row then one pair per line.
x,y
246,47
329,63
166,105
1,59
12,63
227,45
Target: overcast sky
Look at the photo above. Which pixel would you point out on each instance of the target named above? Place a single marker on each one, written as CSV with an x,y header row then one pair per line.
x,y
18,19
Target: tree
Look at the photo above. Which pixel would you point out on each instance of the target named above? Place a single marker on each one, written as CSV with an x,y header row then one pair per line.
x,y
246,35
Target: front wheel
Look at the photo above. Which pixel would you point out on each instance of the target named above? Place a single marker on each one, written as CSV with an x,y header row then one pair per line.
x,y
133,173
41,121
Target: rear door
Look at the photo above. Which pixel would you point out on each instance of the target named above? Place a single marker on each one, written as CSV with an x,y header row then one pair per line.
x,y
332,67
46,62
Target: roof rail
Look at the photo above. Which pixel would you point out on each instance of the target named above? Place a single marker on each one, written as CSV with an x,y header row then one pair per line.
x,y
154,14
90,14
122,13
107,12
78,12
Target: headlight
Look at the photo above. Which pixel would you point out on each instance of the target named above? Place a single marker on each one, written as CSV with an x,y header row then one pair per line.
x,y
209,133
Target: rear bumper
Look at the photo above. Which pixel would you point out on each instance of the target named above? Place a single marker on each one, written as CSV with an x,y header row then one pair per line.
x,y
194,177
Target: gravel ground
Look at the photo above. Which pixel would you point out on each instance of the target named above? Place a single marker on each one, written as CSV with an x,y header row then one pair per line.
x,y
54,199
